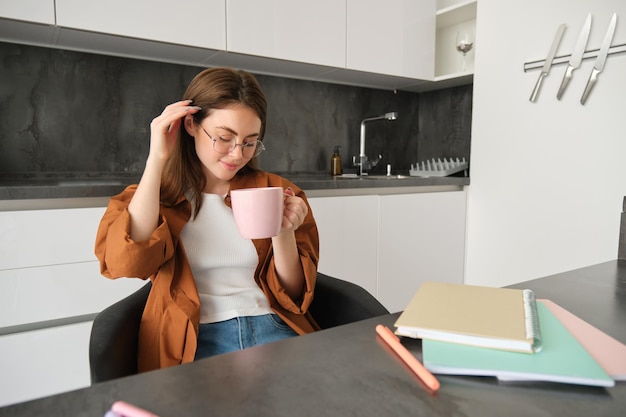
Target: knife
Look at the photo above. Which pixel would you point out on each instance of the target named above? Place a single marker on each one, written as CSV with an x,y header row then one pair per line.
x,y
601,59
546,67
577,56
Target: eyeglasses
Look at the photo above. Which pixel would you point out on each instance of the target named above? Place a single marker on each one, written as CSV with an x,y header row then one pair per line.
x,y
224,146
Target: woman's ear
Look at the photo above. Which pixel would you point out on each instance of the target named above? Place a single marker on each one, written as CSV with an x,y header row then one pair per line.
x,y
190,125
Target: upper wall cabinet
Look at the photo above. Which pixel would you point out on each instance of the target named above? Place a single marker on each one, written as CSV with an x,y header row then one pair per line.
x,y
195,23
456,29
304,31
27,21
395,37
388,44
36,11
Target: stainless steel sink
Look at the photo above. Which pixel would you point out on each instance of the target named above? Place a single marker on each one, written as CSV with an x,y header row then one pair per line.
x,y
386,177
374,177
317,176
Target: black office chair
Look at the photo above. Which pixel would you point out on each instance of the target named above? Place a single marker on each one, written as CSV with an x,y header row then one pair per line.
x,y
621,248
115,331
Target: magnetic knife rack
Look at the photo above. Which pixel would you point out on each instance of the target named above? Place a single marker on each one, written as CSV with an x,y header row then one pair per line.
x,y
564,59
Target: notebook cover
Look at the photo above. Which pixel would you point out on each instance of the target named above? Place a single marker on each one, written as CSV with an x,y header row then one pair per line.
x,y
562,358
445,311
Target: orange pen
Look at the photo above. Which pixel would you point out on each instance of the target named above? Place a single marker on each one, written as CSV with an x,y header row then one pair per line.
x,y
394,343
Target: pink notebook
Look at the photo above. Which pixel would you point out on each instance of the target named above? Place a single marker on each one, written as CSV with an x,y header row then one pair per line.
x,y
607,351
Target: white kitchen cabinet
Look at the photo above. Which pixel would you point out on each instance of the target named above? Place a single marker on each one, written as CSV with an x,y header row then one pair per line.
x,y
50,288
56,292
368,43
31,238
390,244
303,31
28,21
395,37
48,269
44,362
195,23
452,17
421,237
348,230
35,11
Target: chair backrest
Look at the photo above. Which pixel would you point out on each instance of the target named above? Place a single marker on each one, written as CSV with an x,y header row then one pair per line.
x,y
114,334
340,302
621,251
114,337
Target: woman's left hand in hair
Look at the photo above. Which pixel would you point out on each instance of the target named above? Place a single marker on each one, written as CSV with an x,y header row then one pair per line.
x,y
294,211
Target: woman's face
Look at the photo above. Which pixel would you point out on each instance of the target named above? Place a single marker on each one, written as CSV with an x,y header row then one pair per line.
x,y
238,123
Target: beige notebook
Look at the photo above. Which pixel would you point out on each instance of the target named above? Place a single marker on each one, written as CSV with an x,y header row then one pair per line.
x,y
498,318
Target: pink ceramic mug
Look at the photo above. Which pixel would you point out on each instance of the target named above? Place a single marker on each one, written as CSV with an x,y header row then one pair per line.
x,y
258,211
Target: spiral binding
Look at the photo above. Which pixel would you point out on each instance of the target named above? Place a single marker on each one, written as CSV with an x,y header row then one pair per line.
x,y
531,317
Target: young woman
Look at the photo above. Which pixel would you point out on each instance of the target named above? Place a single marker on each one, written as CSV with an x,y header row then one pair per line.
x,y
212,290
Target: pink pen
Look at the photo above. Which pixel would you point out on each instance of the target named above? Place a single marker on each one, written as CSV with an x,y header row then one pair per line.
x,y
394,343
128,410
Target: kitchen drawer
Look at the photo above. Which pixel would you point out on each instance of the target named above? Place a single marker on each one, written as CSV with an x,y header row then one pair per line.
x,y
54,292
44,362
47,237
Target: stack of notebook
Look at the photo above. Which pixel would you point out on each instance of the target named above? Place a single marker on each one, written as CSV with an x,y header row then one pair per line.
x,y
506,333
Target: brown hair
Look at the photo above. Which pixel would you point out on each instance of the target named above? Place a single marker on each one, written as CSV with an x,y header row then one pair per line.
x,y
214,88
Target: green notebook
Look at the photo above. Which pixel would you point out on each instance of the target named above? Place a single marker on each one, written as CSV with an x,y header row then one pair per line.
x,y
562,358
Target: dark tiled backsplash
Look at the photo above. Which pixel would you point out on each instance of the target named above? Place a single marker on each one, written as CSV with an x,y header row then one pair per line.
x,y
77,114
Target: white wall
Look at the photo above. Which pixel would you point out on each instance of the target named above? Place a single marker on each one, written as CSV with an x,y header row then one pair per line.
x,y
547,178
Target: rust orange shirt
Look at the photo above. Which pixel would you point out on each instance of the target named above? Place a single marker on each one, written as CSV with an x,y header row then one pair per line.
x,y
169,326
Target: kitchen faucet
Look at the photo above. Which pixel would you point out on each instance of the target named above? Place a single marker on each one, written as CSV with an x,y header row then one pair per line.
x,y
364,164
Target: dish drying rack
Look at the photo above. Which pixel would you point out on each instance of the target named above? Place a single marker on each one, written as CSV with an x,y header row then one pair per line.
x,y
437,168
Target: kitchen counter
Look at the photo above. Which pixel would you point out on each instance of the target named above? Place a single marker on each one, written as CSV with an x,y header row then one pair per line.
x,y
94,189
322,184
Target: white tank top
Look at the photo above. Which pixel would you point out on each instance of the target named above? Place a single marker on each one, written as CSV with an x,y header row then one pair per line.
x,y
223,264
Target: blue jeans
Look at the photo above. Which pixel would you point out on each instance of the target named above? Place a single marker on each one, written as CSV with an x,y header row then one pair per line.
x,y
239,333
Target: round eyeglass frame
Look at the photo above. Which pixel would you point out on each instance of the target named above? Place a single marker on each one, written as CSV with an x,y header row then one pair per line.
x,y
258,146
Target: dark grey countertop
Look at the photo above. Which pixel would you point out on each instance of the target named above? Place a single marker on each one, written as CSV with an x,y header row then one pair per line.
x,y
322,181
63,185
104,185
